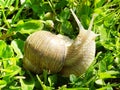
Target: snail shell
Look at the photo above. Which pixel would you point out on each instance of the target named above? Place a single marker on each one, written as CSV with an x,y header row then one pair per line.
x,y
44,50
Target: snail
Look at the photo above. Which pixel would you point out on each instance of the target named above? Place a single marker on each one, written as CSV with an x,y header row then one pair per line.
x,y
59,53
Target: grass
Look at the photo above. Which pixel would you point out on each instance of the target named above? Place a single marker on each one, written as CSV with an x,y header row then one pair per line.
x,y
20,18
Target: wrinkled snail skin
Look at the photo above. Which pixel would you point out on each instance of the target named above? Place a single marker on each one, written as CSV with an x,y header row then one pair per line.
x,y
59,53
44,50
80,54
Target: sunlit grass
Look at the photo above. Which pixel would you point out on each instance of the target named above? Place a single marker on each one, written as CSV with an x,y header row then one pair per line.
x,y
17,18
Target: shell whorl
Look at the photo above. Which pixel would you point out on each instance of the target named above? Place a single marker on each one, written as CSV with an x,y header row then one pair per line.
x,y
43,50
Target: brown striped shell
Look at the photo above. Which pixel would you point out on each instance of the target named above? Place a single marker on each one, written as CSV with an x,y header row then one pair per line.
x,y
44,50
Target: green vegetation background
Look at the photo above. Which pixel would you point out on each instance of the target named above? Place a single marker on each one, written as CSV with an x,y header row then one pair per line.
x,y
20,18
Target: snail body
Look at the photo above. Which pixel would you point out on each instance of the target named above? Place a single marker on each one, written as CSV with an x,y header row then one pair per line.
x,y
58,53
80,54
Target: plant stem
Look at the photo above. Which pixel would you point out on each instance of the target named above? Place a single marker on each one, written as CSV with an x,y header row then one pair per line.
x,y
5,19
18,13
16,4
51,5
